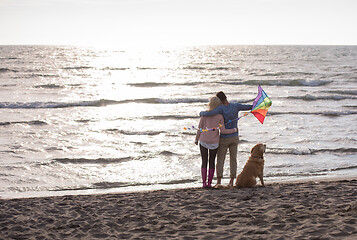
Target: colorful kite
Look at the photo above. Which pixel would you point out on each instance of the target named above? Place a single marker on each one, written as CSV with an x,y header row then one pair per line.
x,y
260,108
261,105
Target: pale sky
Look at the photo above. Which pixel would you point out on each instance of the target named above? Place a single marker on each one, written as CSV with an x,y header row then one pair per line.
x,y
186,22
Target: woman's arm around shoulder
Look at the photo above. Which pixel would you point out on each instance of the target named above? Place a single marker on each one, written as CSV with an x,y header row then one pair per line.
x,y
223,128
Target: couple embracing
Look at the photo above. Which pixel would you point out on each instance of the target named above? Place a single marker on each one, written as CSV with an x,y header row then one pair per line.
x,y
217,142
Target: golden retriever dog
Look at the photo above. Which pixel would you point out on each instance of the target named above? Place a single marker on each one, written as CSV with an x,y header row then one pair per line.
x,y
253,168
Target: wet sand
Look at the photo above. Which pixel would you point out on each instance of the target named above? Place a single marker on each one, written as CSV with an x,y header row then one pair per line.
x,y
305,210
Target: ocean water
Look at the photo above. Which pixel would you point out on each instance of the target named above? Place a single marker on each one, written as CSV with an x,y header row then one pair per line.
x,y
82,120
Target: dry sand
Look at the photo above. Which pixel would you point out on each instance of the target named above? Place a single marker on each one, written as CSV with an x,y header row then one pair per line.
x,y
308,210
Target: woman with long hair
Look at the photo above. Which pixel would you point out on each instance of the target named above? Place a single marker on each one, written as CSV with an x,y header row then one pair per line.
x,y
208,139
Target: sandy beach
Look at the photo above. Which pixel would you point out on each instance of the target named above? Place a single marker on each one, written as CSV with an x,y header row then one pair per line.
x,y
304,210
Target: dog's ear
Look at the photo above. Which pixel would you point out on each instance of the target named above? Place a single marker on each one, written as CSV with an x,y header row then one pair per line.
x,y
253,149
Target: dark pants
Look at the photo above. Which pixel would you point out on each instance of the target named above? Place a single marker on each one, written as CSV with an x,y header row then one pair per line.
x,y
208,155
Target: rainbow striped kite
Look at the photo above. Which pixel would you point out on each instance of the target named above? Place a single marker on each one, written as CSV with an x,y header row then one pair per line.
x,y
261,105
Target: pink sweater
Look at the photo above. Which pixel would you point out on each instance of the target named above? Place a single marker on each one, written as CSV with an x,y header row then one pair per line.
x,y
212,122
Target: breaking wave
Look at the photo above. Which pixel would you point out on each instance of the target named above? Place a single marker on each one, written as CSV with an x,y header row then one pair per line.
x,y
91,161
98,103
115,69
3,70
309,97
148,84
50,86
8,85
34,122
320,172
308,151
149,133
278,74
146,68
293,175
111,185
77,68
325,114
168,117
164,84
342,92
289,83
